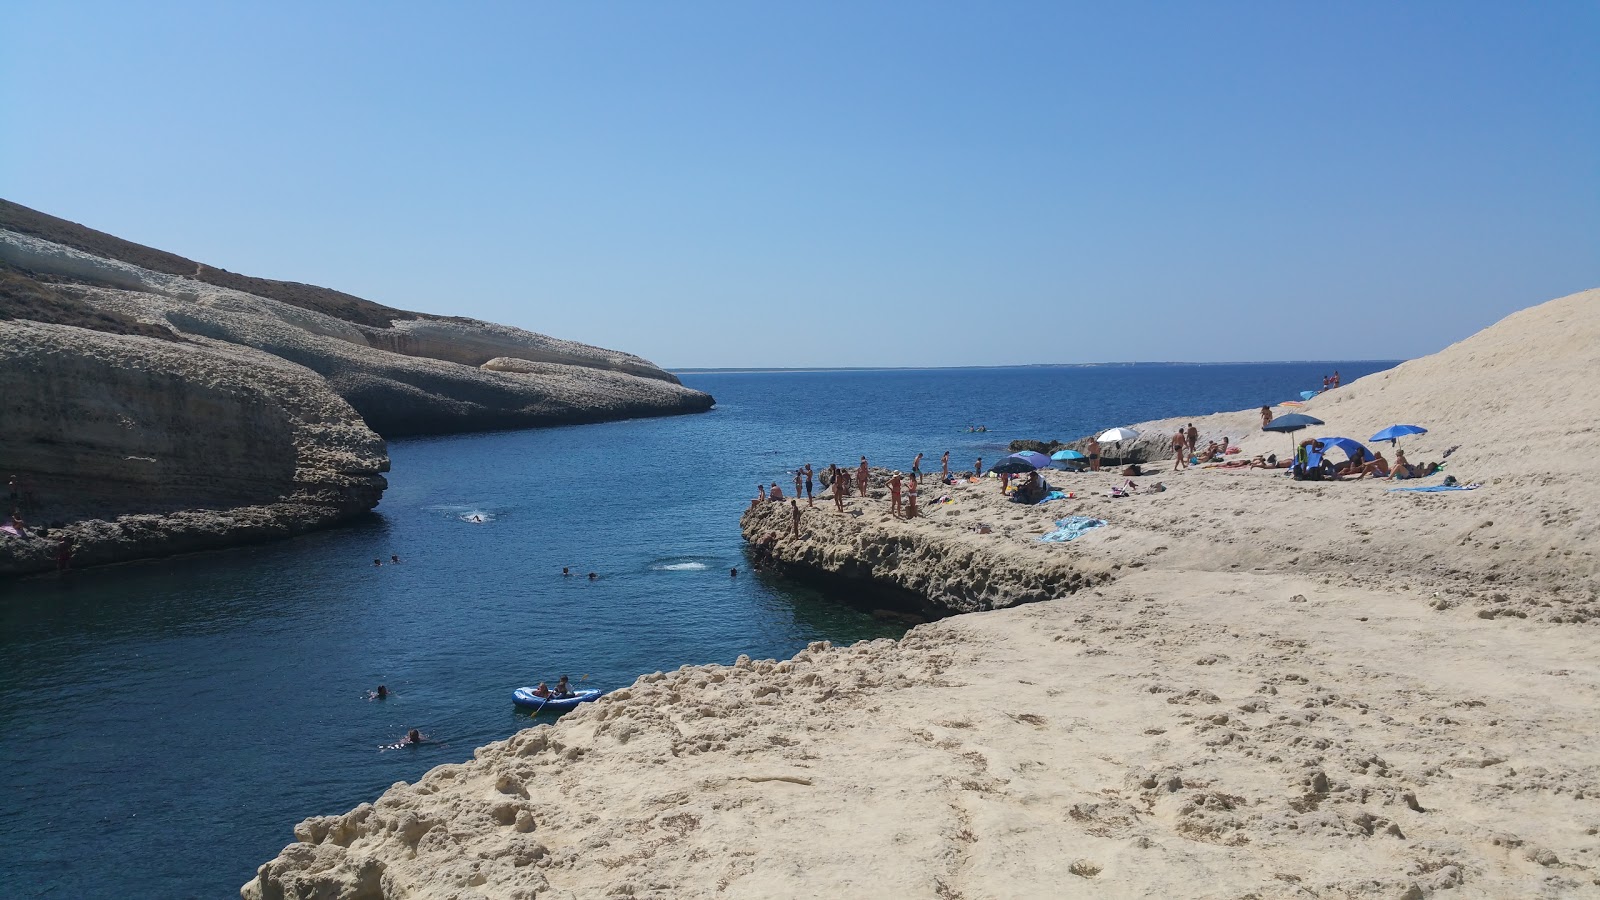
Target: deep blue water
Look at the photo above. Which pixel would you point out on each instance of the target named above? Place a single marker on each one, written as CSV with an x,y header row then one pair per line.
x,y
163,725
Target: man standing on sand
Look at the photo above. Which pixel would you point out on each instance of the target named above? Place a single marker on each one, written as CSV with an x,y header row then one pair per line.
x,y
911,499
916,468
977,468
794,518
861,477
894,493
1094,454
944,466
1180,441
1194,438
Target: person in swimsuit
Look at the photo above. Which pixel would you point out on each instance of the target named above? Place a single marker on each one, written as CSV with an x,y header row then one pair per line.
x,y
894,493
413,737
794,518
543,690
944,466
861,477
1193,436
1094,454
916,468
761,492
836,481
1266,417
775,493
977,468
1180,443
809,501
911,499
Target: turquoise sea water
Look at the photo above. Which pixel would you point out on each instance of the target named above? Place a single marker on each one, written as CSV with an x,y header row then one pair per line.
x,y
163,725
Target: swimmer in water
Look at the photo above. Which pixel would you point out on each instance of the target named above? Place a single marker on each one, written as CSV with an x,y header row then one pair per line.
x,y
395,559
566,572
379,694
377,562
413,737
593,576
733,573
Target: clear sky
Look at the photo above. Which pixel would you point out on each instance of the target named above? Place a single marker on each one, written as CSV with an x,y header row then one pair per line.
x,y
919,183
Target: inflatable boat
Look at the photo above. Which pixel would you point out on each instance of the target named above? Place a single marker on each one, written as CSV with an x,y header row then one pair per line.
x,y
525,698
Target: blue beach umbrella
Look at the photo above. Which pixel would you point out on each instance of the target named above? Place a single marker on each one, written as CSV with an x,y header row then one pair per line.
x,y
1033,458
1395,432
1067,454
1291,423
1307,395
1352,448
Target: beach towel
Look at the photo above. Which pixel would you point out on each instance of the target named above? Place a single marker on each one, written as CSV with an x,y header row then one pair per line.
x,y
10,528
1436,488
1053,495
1069,528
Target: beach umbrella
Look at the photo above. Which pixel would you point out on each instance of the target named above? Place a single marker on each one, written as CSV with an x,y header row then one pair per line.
x,y
1292,404
1117,436
1352,448
1290,423
1307,395
1012,465
1067,454
1393,433
1033,457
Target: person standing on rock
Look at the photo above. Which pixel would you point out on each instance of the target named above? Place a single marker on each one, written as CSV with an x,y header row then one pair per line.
x,y
1180,442
944,466
1193,434
64,553
809,501
799,480
916,468
861,477
894,493
794,518
836,481
1094,454
1266,417
911,499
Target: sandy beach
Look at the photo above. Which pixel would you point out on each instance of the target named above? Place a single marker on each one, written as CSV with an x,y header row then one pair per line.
x,y
1240,686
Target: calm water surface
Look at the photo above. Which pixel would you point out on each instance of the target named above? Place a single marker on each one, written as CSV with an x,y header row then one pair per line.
x,y
163,725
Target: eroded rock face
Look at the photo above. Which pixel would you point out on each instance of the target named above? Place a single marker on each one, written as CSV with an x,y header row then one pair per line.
x,y
412,376
141,447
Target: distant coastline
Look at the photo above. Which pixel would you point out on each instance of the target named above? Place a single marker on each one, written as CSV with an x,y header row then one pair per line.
x,y
1097,365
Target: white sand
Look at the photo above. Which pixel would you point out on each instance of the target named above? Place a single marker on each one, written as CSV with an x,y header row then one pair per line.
x,y
1285,690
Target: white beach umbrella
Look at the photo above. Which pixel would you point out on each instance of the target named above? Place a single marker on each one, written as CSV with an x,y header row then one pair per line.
x,y
1117,436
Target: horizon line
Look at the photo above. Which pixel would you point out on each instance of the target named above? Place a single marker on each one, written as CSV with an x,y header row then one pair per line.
x,y
707,370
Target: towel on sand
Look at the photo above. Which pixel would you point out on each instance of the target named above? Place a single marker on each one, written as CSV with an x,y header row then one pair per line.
x,y
1069,528
1436,488
1053,495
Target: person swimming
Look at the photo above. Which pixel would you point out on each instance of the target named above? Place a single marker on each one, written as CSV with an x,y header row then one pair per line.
x,y
377,562
380,694
395,559
593,576
413,737
566,572
733,573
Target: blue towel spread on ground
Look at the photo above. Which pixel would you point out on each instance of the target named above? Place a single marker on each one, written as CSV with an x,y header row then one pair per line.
x,y
1069,528
1436,488
1053,495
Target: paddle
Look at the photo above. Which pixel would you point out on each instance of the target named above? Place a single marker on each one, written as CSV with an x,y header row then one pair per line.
x,y
551,697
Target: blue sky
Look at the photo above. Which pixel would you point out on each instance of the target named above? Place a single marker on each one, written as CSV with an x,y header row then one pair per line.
x,y
741,184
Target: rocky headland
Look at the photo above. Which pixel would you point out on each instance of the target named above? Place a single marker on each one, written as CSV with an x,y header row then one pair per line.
x,y
156,405
1240,686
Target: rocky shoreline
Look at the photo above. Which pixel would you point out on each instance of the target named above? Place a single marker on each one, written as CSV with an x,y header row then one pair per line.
x,y
155,405
1255,687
